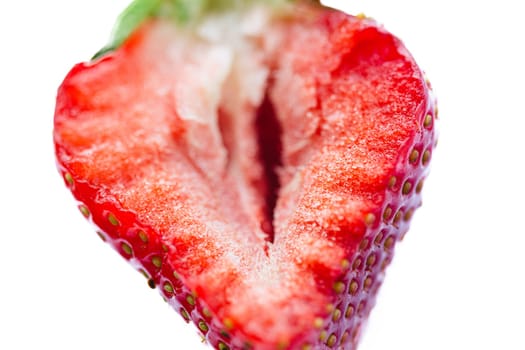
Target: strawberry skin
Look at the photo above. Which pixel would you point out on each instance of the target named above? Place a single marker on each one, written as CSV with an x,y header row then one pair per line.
x,y
258,171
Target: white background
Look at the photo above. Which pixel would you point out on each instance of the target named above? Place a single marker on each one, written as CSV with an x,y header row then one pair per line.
x,y
458,278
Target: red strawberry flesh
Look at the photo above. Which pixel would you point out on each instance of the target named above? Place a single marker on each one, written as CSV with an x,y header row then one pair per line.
x,y
260,180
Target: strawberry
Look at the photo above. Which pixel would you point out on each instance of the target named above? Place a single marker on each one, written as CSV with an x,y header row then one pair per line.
x,y
256,161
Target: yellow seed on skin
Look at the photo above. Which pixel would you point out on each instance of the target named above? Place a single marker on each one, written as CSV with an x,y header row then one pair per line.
x,y
84,210
345,264
228,323
206,312
126,248
371,260
361,15
339,287
344,337
190,299
101,235
144,273
387,213
367,283
282,345
354,287
332,339
336,316
156,261
168,287
113,219
349,311
379,238
370,219
365,243
203,326
407,186
222,346
143,236
426,157
184,314
318,323
427,123
389,243
392,182
414,155
306,347
330,308
323,335
419,187
357,263
397,217
69,179
408,215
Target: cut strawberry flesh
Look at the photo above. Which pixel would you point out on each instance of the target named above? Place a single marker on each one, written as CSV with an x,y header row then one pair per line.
x,y
255,165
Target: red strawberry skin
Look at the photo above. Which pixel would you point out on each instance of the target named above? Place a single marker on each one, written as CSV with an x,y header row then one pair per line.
x,y
191,209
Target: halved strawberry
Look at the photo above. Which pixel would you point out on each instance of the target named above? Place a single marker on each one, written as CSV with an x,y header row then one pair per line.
x,y
256,162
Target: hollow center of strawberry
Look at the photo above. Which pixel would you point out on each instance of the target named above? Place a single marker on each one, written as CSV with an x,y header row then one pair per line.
x,y
270,148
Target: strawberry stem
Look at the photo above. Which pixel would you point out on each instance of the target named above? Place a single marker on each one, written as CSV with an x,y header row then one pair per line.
x,y
133,16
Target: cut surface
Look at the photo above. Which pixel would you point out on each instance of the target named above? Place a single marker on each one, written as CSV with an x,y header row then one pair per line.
x,y
254,153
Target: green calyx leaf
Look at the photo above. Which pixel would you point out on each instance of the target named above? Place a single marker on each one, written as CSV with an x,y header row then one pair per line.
x,y
181,11
136,13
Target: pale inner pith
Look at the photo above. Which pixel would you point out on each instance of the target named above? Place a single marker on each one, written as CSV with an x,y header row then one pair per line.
x,y
232,131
